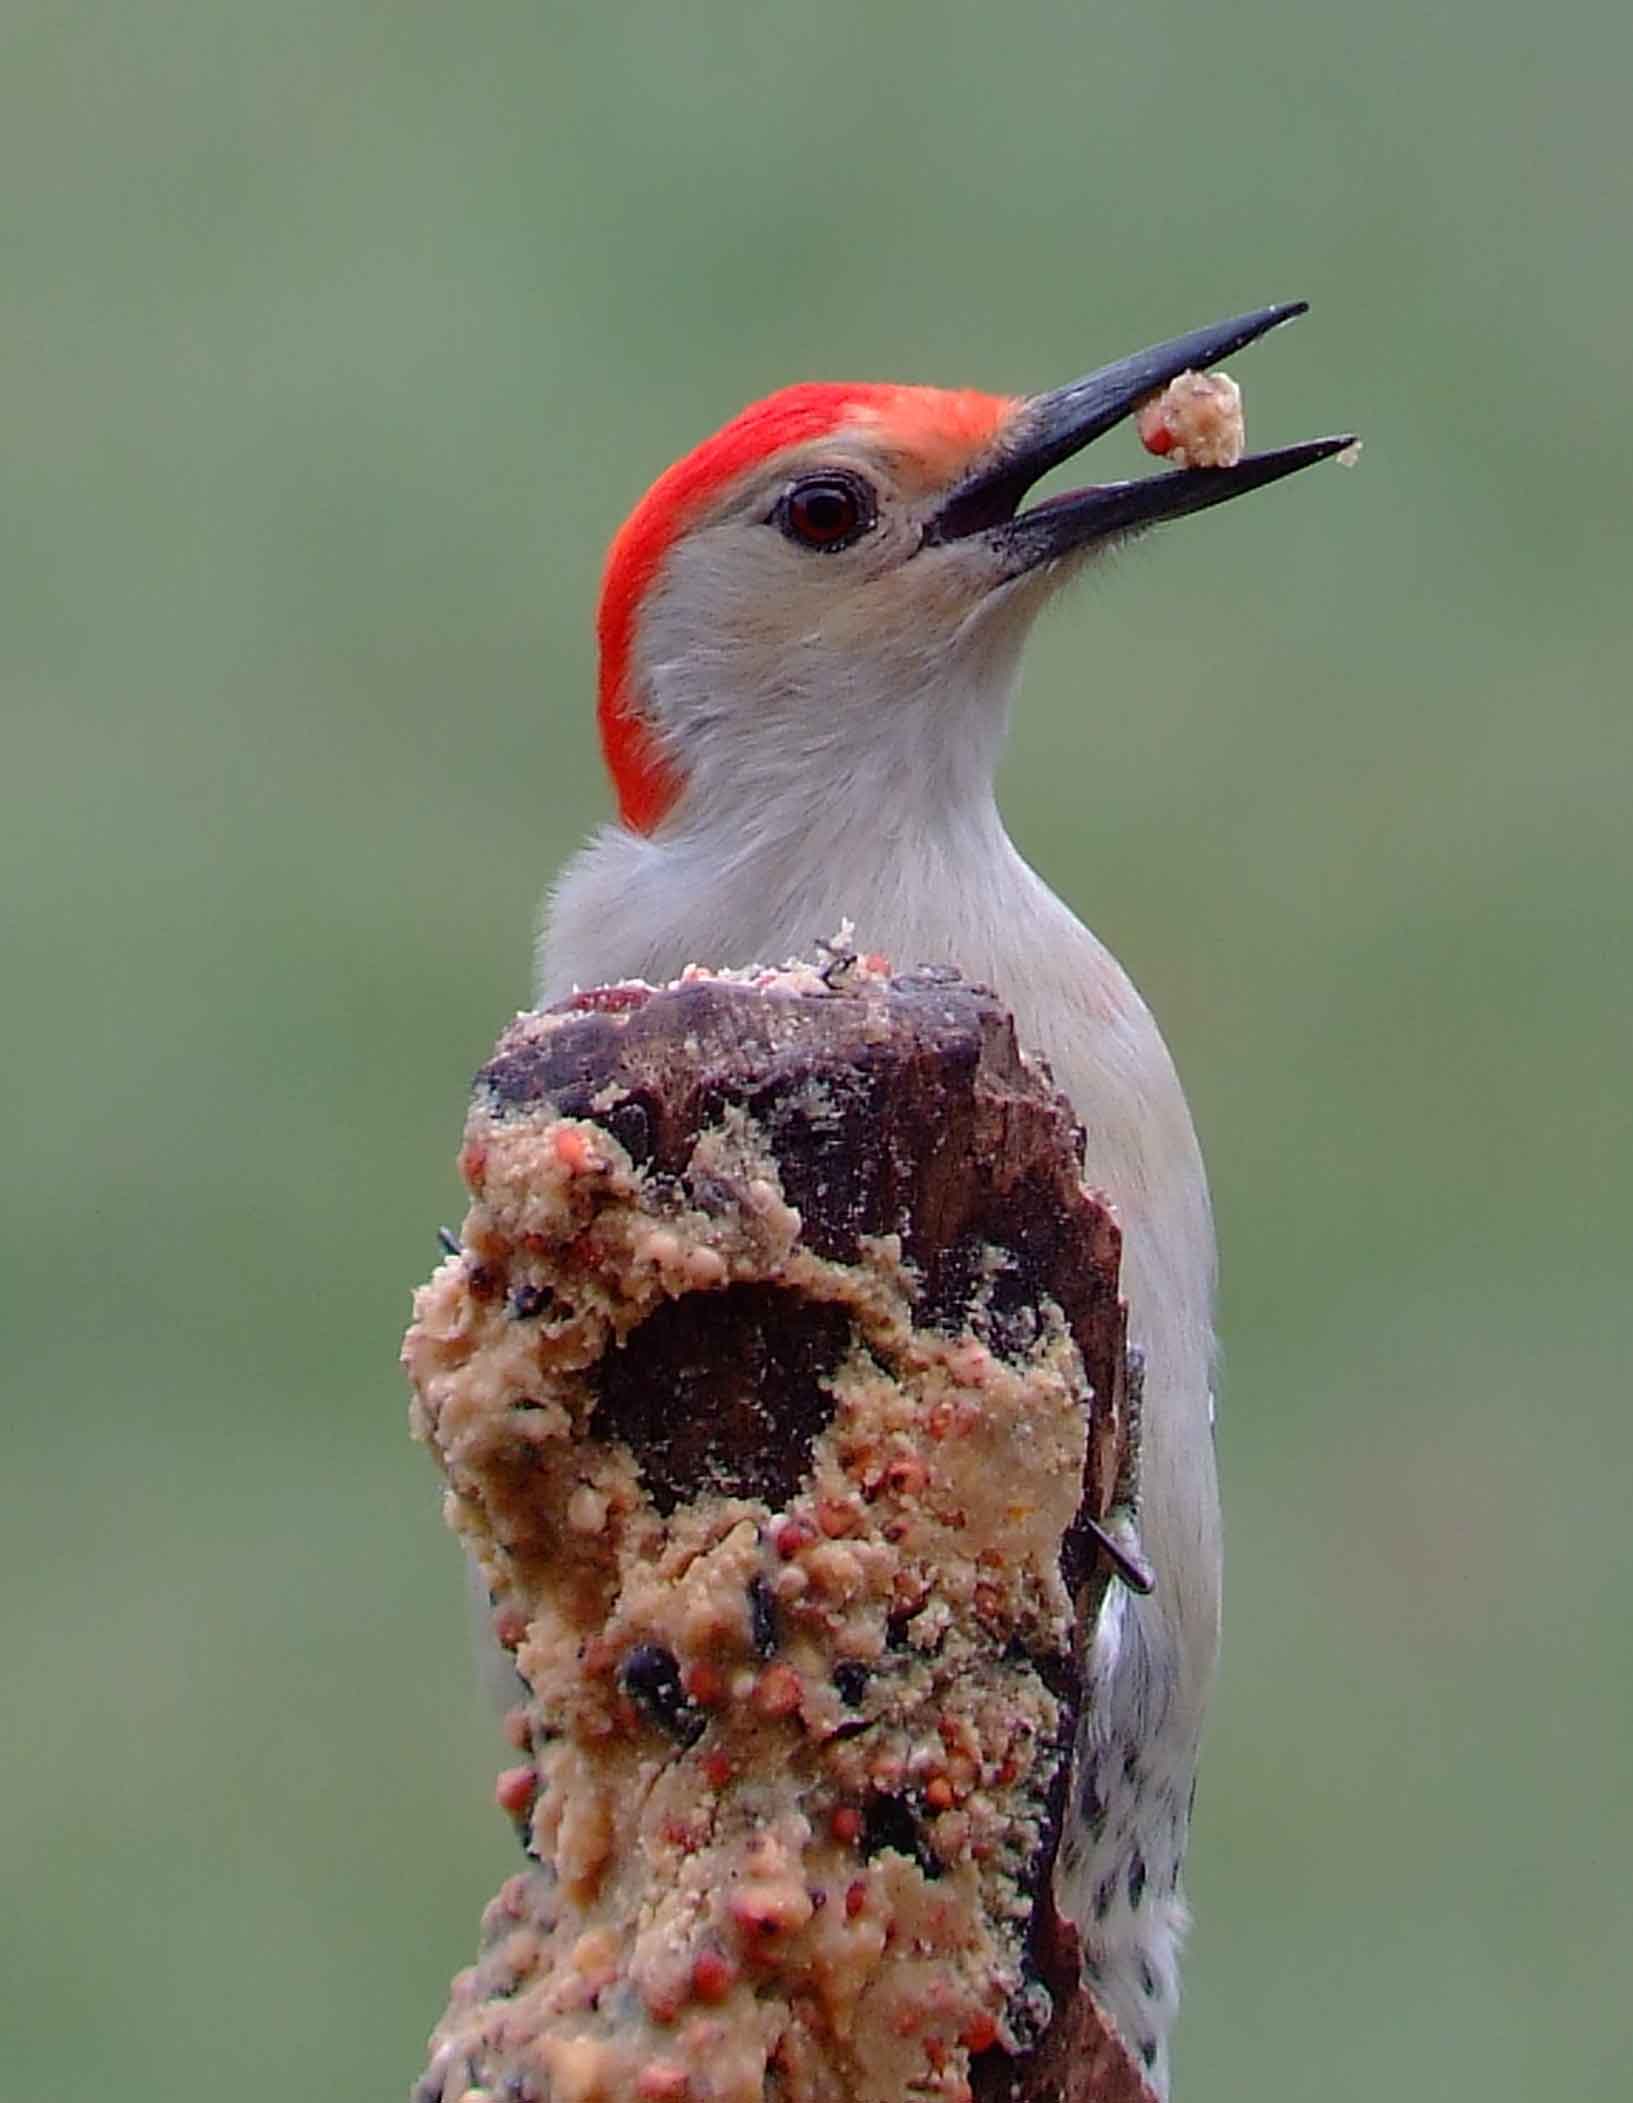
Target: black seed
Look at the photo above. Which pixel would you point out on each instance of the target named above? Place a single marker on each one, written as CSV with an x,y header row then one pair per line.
x,y
851,1680
448,1240
1148,2050
762,1615
1091,1803
1136,1879
651,1676
630,1123
888,1822
650,1670
1103,1896
1131,1768
529,1300
1148,1979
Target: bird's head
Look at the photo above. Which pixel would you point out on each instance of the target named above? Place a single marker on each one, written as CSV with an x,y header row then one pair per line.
x,y
836,585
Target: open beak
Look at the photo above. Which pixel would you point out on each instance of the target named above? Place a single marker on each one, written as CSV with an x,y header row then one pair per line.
x,y
1052,427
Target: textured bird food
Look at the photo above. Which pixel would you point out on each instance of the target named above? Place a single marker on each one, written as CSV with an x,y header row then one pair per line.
x,y
794,1740
1196,421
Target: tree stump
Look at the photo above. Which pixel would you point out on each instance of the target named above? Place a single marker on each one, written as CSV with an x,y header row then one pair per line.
x,y
779,1384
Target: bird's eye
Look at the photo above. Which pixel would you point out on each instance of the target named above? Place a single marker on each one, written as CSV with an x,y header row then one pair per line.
x,y
826,511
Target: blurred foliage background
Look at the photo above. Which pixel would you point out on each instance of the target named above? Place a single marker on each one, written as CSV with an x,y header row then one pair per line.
x,y
336,340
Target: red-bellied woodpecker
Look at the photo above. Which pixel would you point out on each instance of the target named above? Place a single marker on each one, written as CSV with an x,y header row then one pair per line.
x,y
810,631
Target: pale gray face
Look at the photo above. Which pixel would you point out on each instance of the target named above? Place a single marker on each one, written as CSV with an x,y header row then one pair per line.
x,y
835,585
824,553
801,624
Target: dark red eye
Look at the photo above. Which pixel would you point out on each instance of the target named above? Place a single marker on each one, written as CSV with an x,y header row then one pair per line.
x,y
827,511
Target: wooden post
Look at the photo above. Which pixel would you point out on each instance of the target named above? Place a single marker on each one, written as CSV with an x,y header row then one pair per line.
x,y
779,1384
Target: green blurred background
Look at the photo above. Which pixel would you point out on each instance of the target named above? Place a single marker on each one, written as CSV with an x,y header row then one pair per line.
x,y
336,339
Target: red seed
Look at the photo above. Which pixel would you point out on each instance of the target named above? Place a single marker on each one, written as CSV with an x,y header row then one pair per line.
x,y
777,1691
769,1909
939,1793
573,1150
846,1825
789,1536
610,1000
979,2034
713,1975
704,1683
856,1897
717,1767
661,2081
513,1791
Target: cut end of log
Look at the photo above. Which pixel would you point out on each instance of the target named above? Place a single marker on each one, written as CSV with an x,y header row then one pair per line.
x,y
779,1383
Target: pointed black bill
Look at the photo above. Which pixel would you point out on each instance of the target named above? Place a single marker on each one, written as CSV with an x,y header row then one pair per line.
x,y
1052,427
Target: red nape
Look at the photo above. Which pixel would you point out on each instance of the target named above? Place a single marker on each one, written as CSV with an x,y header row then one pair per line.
x,y
926,418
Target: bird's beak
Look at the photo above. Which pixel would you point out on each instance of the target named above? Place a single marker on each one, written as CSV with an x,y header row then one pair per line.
x,y
1050,428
